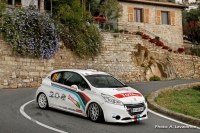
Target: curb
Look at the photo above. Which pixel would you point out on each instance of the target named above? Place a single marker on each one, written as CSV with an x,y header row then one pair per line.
x,y
184,118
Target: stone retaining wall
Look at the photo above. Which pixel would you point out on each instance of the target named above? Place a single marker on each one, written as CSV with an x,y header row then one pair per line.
x,y
116,58
152,104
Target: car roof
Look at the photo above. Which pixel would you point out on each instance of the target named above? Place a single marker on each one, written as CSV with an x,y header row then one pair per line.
x,y
81,71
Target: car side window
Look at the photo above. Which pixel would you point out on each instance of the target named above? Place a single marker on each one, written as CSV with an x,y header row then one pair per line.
x,y
71,78
83,85
56,77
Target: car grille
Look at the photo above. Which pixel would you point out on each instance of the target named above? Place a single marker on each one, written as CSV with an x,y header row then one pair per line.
x,y
130,106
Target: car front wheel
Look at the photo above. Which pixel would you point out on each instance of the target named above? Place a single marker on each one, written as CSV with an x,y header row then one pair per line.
x,y
42,101
95,112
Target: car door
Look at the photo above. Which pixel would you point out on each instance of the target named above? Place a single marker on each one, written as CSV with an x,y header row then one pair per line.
x,y
55,95
76,99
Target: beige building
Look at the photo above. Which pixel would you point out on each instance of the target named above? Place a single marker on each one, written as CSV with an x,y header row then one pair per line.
x,y
162,19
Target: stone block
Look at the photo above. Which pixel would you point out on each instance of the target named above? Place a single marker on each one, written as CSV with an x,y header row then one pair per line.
x,y
43,74
24,73
13,75
34,73
39,68
48,68
34,84
14,63
7,58
13,86
26,80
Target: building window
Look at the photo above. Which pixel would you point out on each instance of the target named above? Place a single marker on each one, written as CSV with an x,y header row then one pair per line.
x,y
138,17
165,17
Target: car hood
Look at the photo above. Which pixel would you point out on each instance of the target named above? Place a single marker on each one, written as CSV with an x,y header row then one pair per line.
x,y
127,95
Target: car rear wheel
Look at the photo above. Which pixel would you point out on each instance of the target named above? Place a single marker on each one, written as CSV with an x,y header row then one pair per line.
x,y
95,112
42,101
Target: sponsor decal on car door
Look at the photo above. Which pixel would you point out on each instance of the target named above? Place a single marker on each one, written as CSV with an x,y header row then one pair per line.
x,y
76,101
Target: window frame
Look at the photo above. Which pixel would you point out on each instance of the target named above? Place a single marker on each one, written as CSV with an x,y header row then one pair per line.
x,y
141,15
168,18
82,79
61,81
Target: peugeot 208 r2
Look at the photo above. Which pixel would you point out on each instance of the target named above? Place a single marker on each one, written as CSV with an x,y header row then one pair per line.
x,y
92,94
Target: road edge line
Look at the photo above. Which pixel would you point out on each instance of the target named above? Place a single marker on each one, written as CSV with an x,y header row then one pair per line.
x,y
171,119
35,121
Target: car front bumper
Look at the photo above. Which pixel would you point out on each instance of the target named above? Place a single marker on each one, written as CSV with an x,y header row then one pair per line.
x,y
120,114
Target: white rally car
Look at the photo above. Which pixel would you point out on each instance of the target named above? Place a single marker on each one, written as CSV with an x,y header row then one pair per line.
x,y
92,94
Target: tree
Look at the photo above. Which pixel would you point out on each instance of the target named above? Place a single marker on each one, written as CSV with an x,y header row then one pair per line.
x,y
111,10
57,4
78,34
192,32
191,15
2,6
2,9
71,15
92,6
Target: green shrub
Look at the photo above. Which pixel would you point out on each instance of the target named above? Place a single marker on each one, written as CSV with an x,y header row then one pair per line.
x,y
84,41
121,30
116,30
154,78
78,34
115,35
196,87
30,33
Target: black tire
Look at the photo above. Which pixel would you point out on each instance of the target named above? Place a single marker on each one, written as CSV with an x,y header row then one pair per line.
x,y
42,101
95,112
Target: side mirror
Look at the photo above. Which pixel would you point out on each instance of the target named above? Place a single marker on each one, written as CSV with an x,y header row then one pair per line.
x,y
75,87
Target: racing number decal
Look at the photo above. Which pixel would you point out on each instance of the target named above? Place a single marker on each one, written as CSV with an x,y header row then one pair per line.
x,y
57,95
63,97
51,94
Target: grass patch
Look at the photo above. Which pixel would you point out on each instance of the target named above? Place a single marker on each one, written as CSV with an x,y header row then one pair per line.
x,y
146,96
182,101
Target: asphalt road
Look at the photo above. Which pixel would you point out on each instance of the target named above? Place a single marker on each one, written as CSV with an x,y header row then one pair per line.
x,y
12,121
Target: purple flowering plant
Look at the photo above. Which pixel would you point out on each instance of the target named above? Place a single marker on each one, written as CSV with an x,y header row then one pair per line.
x,y
31,33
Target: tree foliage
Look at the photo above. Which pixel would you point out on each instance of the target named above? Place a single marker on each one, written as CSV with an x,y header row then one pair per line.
x,y
191,15
78,33
2,9
192,32
2,6
71,15
191,28
92,6
111,9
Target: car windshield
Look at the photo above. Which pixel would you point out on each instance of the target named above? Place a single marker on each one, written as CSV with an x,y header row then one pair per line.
x,y
104,81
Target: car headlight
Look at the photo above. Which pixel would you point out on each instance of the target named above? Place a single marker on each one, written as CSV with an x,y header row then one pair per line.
x,y
111,99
